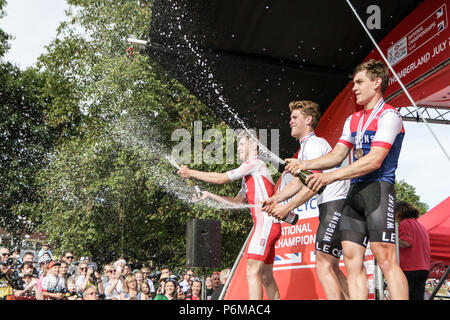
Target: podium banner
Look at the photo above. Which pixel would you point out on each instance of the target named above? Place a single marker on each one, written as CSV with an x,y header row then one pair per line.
x,y
294,265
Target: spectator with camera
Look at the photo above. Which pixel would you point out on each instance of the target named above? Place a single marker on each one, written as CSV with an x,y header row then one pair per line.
x,y
185,284
29,289
113,286
166,289
6,271
53,286
25,268
89,276
180,293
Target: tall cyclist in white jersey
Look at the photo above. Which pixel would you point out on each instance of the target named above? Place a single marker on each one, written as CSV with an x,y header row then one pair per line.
x,y
305,116
257,185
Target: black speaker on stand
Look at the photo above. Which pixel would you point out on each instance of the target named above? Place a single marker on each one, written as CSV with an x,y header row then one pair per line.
x,y
204,246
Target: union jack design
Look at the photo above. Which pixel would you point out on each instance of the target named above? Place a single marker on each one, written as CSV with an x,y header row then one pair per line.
x,y
288,259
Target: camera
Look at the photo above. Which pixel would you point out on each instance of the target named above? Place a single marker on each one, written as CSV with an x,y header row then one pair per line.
x,y
8,262
92,265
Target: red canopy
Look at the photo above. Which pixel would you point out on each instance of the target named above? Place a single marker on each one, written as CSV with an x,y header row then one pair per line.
x,y
437,223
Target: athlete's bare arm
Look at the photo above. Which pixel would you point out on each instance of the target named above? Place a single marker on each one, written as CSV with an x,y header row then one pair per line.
x,y
287,192
210,177
327,161
370,162
280,211
232,201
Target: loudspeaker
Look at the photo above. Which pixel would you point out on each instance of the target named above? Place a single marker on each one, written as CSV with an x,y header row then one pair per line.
x,y
204,243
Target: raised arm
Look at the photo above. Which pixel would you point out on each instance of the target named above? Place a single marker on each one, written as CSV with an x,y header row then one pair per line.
x,y
232,201
210,177
327,161
370,162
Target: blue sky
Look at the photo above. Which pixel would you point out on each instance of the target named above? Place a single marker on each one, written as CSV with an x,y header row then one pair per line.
x,y
422,163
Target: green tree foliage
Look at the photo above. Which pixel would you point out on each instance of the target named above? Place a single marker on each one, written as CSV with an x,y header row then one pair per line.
x,y
407,192
108,191
25,140
4,37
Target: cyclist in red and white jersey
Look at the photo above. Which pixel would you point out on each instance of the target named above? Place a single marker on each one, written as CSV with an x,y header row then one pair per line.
x,y
257,185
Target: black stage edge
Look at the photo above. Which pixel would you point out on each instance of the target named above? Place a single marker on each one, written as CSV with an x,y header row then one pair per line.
x,y
229,309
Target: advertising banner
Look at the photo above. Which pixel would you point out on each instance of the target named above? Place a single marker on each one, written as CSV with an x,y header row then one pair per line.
x,y
419,44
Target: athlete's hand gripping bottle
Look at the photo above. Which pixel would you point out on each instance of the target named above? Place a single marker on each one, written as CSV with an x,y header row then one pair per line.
x,y
291,218
303,174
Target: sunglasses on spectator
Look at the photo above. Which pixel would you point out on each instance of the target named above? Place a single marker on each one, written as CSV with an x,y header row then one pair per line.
x,y
215,272
5,254
69,257
83,269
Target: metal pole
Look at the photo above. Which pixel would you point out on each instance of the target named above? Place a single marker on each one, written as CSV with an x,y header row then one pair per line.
x,y
433,294
397,247
236,263
204,284
137,41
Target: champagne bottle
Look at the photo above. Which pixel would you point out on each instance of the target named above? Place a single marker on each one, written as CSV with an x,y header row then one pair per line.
x,y
303,174
291,218
198,192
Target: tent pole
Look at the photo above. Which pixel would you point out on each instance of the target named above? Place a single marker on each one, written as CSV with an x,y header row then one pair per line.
x,y
233,270
433,294
204,283
397,247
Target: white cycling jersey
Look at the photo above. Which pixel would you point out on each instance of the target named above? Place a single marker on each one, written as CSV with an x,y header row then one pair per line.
x,y
312,147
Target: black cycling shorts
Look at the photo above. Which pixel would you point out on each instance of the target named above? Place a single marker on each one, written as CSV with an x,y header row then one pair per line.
x,y
328,239
368,214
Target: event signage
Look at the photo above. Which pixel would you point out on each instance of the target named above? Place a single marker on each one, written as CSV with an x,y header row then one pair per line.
x,y
418,44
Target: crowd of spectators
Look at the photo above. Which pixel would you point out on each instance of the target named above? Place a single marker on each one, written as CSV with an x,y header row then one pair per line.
x,y
47,277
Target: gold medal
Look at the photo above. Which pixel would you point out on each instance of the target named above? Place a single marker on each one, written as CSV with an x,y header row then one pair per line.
x,y
359,153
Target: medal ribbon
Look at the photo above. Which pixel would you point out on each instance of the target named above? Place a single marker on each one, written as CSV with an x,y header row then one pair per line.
x,y
359,132
303,143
